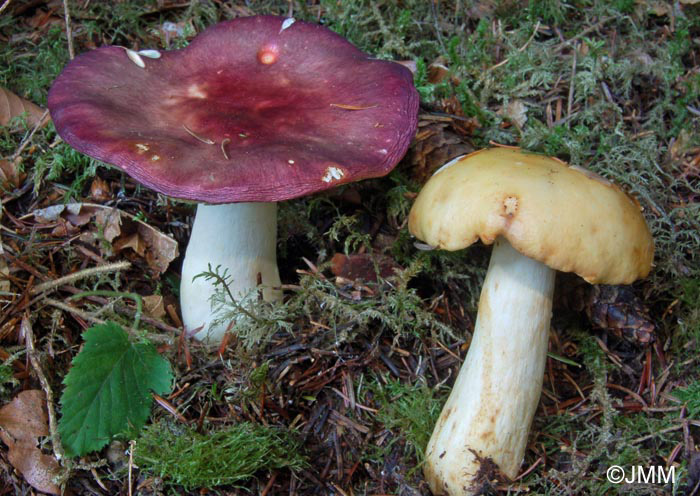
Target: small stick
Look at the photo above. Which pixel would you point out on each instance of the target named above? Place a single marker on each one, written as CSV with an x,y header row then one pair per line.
x,y
69,32
225,142
654,434
132,445
521,49
583,33
5,5
103,292
26,326
156,338
28,139
100,269
195,135
570,103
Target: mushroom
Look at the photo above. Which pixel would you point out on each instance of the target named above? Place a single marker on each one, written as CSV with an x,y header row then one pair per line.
x,y
541,216
254,111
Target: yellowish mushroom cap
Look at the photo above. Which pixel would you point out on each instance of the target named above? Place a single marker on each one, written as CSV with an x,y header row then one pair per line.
x,y
568,218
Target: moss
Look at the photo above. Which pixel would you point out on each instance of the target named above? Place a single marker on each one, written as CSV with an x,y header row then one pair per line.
x,y
180,455
408,409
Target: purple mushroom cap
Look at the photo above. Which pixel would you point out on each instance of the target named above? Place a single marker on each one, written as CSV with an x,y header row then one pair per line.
x,y
255,109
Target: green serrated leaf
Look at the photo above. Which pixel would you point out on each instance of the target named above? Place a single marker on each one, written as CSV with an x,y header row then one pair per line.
x,y
107,391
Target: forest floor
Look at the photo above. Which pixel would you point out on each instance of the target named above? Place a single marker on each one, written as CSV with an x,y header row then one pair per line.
x,y
341,383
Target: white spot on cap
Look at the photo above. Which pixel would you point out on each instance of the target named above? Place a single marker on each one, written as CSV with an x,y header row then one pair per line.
x,y
290,161
155,158
287,23
195,91
383,151
135,58
142,148
332,174
151,54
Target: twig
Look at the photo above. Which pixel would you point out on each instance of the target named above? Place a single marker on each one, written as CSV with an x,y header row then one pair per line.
x,y
69,32
26,326
269,484
129,312
28,139
5,5
132,445
527,43
117,294
155,338
100,269
654,434
693,110
583,33
433,9
572,84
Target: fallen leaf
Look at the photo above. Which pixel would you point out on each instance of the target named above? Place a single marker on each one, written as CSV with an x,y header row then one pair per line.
x,y
658,8
109,220
4,270
438,71
118,228
23,420
44,19
100,190
361,266
10,175
162,249
12,106
408,64
153,306
434,145
132,241
516,111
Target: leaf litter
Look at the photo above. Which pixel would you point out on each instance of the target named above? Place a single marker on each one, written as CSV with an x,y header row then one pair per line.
x,y
22,422
318,375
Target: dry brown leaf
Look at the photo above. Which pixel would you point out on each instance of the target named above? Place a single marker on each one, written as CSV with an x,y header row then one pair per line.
x,y
10,176
12,106
162,249
38,469
657,7
4,271
153,306
408,64
132,241
516,111
114,226
44,19
361,266
23,420
435,144
4,279
100,190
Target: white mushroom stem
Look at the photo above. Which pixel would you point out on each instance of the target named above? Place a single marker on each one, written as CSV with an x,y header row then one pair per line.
x,y
240,237
488,414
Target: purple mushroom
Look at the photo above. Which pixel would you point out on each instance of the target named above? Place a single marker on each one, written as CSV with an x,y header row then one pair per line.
x,y
254,111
